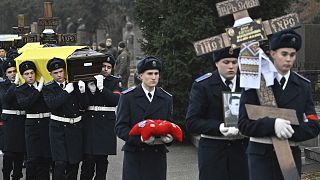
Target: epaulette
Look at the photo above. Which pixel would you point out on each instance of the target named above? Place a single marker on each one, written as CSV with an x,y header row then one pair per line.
x,y
48,83
203,77
301,77
165,91
128,90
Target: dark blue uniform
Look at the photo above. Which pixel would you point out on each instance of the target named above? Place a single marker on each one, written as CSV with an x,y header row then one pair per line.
x,y
14,138
219,158
99,136
142,161
263,164
36,131
65,137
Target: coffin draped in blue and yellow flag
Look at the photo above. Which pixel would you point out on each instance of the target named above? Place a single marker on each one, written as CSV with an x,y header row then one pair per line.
x,y
41,55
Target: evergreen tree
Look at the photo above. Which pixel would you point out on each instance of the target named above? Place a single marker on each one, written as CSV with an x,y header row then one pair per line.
x,y
170,27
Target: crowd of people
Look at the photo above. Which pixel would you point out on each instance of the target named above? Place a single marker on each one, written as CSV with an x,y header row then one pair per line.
x,y
59,124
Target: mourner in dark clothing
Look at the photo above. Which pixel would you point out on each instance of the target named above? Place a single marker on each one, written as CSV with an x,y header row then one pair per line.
x,y
143,160
99,121
221,152
293,92
14,118
30,98
65,100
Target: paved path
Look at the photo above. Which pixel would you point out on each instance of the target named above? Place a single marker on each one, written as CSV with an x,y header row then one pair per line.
x,y
182,163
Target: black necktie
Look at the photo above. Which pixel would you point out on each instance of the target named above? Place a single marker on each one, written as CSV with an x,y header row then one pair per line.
x,y
61,85
282,82
229,84
150,95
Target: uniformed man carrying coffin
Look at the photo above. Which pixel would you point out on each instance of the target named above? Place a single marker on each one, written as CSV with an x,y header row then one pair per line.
x,y
30,98
99,121
65,100
143,161
291,91
14,118
221,152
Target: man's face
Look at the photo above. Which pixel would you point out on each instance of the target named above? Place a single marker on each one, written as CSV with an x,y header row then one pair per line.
x,y
150,78
283,59
58,75
29,76
234,106
106,69
11,73
108,42
227,67
2,53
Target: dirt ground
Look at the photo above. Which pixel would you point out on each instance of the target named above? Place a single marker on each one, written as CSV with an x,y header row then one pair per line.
x,y
311,176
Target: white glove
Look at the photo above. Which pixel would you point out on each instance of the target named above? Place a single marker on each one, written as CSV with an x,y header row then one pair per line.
x,y
283,128
16,80
149,141
167,138
69,87
40,85
82,86
99,79
92,87
228,131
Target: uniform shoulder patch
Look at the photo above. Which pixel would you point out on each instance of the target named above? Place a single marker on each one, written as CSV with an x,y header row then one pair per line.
x,y
302,77
165,91
203,77
128,90
48,83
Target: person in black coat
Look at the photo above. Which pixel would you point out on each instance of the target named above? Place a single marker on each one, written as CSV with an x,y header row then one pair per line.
x,y
221,151
293,92
99,121
30,98
13,116
65,100
143,160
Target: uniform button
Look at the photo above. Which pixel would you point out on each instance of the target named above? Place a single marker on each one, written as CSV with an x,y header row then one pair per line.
x,y
64,115
74,114
65,125
102,115
156,150
92,116
142,149
38,122
72,104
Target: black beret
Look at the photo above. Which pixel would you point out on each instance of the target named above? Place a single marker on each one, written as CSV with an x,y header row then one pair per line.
x,y
149,62
55,63
285,39
12,53
8,64
225,53
110,59
26,65
122,44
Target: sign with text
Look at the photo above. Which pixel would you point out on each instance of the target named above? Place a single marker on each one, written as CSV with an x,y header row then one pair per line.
x,y
232,6
284,22
208,45
246,33
51,21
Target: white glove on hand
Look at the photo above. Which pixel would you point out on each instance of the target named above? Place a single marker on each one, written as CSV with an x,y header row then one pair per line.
x,y
40,85
99,79
69,87
92,87
149,141
16,80
283,128
228,131
82,86
167,138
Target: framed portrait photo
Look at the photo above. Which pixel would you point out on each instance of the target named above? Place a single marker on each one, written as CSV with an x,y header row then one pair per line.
x,y
231,103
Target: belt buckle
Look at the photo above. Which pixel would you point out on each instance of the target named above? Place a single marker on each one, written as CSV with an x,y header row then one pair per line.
x,y
41,115
71,121
18,112
96,108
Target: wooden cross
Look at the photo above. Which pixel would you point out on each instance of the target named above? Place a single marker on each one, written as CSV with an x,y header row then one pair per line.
x,y
250,32
21,29
254,31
